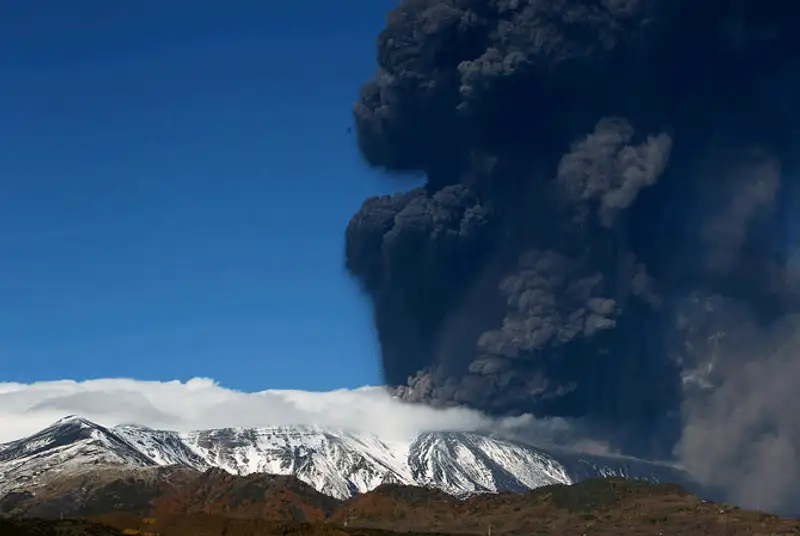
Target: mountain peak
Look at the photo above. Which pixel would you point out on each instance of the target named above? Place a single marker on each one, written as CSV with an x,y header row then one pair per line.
x,y
73,419
338,464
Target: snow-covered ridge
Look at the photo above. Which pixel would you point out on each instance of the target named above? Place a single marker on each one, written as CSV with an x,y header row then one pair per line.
x,y
335,462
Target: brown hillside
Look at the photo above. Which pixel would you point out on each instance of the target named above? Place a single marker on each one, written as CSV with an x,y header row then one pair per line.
x,y
183,503
38,527
216,525
271,498
597,507
174,492
188,525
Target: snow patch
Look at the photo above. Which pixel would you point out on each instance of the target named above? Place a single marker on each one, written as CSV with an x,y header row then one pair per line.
x,y
335,462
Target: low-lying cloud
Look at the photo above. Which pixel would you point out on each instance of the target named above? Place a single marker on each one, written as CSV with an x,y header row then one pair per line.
x,y
201,403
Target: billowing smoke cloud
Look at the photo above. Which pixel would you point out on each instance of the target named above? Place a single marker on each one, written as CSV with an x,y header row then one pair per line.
x,y
603,224
744,436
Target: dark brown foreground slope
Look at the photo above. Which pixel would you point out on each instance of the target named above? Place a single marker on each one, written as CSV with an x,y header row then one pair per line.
x,y
70,527
179,503
596,507
167,491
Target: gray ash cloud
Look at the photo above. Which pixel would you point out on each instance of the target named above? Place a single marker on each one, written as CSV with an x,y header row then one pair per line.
x,y
600,176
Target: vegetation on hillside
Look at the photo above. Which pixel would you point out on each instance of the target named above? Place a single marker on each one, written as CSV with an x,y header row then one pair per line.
x,y
218,504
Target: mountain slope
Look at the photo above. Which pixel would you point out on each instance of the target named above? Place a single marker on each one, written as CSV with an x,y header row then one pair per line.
x,y
337,463
69,445
9,527
215,503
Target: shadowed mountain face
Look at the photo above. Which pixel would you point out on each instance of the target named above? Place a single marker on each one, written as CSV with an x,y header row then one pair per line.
x,y
608,198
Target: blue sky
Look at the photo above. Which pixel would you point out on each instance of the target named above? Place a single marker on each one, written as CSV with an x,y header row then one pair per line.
x,y
176,179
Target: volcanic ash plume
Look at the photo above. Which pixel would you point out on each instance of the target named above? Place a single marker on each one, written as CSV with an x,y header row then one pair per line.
x,y
604,229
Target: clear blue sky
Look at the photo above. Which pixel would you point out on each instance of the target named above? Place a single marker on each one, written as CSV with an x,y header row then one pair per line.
x,y
176,180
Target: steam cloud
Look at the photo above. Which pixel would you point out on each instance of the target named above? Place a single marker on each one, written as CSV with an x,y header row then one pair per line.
x,y
201,403
604,229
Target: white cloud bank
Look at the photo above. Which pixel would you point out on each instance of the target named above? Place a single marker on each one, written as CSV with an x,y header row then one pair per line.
x,y
201,403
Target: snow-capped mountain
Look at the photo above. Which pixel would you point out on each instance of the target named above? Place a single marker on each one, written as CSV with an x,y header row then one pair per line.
x,y
337,463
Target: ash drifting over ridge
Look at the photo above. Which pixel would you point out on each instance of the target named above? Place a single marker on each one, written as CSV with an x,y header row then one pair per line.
x,y
603,231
